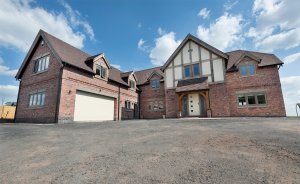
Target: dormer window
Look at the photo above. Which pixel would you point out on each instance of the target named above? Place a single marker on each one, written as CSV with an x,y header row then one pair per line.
x,y
132,84
101,71
41,64
247,70
155,83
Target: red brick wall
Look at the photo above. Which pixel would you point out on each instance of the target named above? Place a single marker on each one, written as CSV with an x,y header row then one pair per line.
x,y
149,95
266,79
74,79
218,98
171,103
30,82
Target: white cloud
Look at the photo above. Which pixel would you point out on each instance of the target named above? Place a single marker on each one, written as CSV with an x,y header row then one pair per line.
x,y
204,13
292,58
142,46
224,32
8,93
77,20
277,24
229,5
20,21
116,66
291,93
4,70
165,45
161,31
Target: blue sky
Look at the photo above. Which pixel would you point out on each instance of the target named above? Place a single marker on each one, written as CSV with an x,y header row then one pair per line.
x,y
138,34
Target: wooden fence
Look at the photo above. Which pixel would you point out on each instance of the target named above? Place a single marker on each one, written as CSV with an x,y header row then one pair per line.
x,y
7,112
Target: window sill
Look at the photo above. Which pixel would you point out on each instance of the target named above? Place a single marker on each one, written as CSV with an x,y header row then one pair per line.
x,y
252,106
36,107
98,77
40,72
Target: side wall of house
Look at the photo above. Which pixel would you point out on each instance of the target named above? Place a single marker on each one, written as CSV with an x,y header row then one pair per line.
x,y
265,80
74,79
31,82
171,103
149,96
219,103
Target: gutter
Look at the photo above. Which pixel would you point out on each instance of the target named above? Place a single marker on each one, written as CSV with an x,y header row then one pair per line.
x,y
119,103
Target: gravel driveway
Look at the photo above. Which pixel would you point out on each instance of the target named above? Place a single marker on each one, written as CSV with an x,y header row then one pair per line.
x,y
153,151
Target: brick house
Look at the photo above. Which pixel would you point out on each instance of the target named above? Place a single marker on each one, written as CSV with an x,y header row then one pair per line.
x,y
60,83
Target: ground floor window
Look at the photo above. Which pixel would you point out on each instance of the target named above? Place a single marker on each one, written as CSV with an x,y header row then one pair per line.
x,y
249,99
127,104
156,105
37,99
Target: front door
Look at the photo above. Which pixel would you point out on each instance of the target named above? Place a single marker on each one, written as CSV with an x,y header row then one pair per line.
x,y
185,108
194,106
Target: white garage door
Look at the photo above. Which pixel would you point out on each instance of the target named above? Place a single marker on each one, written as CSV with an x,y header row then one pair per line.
x,y
93,107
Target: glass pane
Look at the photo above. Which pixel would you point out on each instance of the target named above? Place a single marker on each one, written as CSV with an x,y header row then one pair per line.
x,y
243,70
261,99
47,62
43,99
187,72
242,101
40,65
34,100
251,69
30,100
196,70
251,100
38,101
157,83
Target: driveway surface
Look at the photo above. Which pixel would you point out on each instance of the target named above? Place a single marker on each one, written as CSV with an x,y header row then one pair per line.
x,y
153,151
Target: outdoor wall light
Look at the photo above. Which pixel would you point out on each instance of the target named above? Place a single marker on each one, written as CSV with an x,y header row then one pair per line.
x,y
69,92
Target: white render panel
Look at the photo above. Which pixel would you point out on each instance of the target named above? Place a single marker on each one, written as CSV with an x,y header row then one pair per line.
x,y
206,68
214,56
209,79
177,60
169,78
178,72
195,52
204,54
186,54
218,70
93,107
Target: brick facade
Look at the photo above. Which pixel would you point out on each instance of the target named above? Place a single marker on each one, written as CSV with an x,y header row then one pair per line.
x,y
150,95
265,80
47,80
61,81
74,79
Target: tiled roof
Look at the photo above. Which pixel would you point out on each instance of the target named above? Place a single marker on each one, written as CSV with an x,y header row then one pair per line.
x,y
265,58
192,84
69,54
143,75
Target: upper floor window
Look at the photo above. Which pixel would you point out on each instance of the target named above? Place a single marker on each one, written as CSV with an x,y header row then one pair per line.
x,y
187,71
41,64
247,70
37,99
252,99
127,104
192,71
196,70
155,83
101,71
132,84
